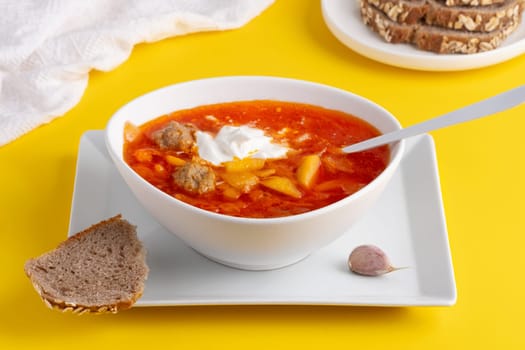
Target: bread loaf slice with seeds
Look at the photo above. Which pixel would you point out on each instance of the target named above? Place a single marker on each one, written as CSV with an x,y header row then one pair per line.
x,y
434,38
475,19
473,3
101,269
435,13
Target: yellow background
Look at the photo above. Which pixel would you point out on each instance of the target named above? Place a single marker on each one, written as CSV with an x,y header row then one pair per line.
x,y
482,169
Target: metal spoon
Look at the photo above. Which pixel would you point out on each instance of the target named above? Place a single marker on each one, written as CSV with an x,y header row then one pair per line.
x,y
491,105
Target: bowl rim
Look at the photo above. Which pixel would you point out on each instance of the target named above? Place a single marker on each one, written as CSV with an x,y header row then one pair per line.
x,y
397,149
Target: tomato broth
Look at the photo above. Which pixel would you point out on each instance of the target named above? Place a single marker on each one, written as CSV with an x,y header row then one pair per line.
x,y
313,174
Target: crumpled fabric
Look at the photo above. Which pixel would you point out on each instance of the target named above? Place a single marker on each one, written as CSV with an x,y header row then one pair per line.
x,y
48,47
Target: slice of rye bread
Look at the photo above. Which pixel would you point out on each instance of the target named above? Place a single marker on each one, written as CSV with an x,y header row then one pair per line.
x,y
433,12
430,38
99,270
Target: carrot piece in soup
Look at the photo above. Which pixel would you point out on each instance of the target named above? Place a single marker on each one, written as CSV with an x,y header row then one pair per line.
x,y
175,160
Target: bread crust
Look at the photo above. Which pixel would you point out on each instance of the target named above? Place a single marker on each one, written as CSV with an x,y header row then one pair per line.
x,y
471,3
32,269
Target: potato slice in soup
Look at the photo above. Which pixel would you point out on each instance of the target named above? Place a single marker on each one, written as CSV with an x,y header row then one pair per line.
x,y
243,181
308,169
283,185
245,164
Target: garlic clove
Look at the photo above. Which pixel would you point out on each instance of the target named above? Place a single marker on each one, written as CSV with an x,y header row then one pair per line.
x,y
369,260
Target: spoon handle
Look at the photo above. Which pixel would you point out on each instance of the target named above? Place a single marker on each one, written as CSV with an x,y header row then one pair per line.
x,y
491,105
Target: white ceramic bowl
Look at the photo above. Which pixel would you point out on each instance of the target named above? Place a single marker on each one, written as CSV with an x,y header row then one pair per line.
x,y
247,243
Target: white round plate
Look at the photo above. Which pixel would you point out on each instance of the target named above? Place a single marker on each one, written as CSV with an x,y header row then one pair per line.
x,y
344,20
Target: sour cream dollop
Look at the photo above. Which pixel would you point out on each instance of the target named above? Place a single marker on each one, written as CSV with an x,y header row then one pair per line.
x,y
237,142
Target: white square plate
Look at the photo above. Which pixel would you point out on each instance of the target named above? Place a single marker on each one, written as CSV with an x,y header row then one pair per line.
x,y
407,222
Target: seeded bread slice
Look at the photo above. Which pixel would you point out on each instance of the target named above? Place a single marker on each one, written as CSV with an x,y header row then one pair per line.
x,y
430,38
475,19
473,3
435,13
101,269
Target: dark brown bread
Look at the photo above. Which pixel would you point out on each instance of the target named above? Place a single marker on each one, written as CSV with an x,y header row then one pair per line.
x,y
432,38
434,13
101,269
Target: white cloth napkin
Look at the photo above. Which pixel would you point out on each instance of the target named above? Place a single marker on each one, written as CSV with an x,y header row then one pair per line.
x,y
48,47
